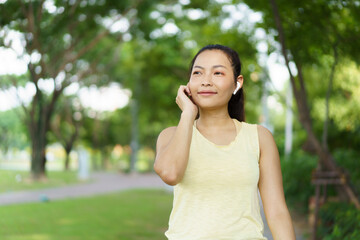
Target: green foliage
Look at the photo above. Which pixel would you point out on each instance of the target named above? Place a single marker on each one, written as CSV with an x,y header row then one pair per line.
x,y
7,81
153,63
339,221
296,170
344,102
145,162
13,130
68,114
348,159
72,41
152,66
102,131
336,21
131,215
106,129
314,55
298,138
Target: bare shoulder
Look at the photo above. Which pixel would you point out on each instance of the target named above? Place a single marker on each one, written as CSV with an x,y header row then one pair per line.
x,y
263,132
165,137
167,132
266,138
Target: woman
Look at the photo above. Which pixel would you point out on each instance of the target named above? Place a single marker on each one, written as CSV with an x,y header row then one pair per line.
x,y
217,162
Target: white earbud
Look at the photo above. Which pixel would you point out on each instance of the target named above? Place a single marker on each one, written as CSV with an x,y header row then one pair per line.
x,y
237,88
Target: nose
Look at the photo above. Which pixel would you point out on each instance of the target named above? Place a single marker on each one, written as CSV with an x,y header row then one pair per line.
x,y
206,81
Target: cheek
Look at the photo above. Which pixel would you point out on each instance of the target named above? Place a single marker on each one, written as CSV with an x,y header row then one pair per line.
x,y
193,86
228,86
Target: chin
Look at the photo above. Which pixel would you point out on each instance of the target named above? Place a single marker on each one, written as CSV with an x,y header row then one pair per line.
x,y
209,106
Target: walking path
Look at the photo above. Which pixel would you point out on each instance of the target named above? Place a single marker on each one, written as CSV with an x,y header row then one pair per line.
x,y
102,183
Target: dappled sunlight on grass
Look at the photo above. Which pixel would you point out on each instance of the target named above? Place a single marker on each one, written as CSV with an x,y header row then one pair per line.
x,y
128,215
30,237
66,221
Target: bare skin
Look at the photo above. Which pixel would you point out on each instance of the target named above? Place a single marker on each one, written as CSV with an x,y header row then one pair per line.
x,y
210,87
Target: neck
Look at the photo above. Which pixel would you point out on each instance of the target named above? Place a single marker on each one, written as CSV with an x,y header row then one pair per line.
x,y
213,118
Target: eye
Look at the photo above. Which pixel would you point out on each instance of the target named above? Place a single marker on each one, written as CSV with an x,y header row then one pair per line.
x,y
219,73
196,73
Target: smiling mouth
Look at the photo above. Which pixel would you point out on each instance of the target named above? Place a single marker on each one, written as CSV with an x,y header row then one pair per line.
x,y
207,93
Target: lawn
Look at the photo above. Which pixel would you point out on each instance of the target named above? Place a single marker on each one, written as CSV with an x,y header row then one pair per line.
x,y
128,215
20,180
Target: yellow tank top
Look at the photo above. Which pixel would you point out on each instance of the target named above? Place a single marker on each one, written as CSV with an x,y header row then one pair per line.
x,y
217,199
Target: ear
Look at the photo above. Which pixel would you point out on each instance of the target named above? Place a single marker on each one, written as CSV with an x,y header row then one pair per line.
x,y
240,79
239,83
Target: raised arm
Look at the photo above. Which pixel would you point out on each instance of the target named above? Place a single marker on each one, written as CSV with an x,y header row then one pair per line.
x,y
173,144
271,188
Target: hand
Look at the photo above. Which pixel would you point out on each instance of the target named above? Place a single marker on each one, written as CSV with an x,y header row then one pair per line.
x,y
185,102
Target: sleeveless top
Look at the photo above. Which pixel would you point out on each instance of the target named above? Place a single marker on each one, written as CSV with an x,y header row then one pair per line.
x,y
217,199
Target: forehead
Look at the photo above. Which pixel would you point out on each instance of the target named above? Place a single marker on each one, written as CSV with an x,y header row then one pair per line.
x,y
209,58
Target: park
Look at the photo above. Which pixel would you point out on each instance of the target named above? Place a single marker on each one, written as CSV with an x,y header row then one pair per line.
x,y
87,86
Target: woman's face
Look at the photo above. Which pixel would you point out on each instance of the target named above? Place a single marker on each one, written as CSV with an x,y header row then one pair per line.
x,y
212,79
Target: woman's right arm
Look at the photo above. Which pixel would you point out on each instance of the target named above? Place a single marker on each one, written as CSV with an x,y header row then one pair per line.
x,y
173,144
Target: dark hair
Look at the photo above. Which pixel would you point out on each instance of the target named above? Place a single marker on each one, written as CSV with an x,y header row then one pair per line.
x,y
236,106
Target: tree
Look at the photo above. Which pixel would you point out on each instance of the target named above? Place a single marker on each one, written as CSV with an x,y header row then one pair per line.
x,y
60,42
65,125
297,26
13,133
101,131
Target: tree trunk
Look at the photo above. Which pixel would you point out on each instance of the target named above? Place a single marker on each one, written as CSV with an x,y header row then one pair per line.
x,y
67,160
105,162
94,158
38,157
39,125
39,143
69,146
328,93
38,137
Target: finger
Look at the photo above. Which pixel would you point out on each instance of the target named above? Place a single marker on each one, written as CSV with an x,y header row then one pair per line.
x,y
188,90
181,89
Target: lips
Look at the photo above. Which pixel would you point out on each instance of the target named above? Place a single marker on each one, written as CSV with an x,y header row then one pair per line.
x,y
206,93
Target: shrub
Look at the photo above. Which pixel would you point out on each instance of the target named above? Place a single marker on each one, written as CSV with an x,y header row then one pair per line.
x,y
339,221
296,171
348,159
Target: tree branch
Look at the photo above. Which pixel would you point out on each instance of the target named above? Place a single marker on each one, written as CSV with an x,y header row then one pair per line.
x,y
70,58
299,94
39,14
283,44
328,93
55,127
74,7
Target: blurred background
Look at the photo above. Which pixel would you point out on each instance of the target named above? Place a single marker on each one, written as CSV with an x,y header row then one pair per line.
x,y
86,86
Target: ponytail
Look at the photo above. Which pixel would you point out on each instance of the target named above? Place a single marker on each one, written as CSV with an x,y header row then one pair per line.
x,y
236,105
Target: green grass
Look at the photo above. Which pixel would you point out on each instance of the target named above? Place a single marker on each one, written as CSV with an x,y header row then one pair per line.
x,y
20,180
129,215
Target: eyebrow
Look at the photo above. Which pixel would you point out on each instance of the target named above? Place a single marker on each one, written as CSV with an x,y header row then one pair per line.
x,y
215,66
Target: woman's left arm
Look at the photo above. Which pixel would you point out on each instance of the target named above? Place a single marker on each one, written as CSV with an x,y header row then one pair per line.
x,y
271,188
